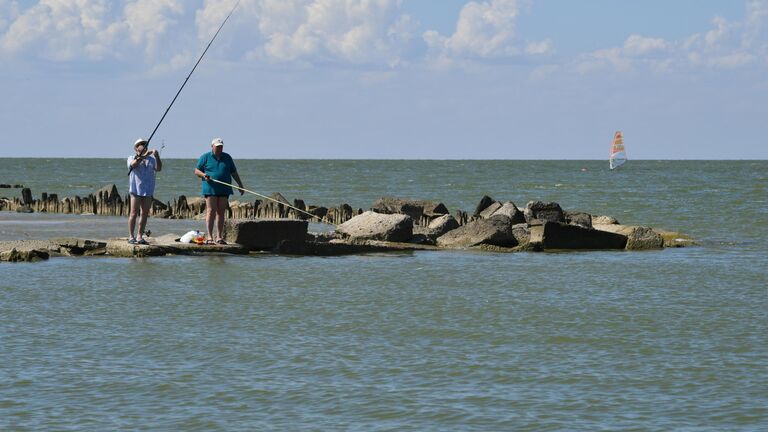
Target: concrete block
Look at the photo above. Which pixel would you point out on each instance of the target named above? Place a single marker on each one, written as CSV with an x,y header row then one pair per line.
x,y
264,234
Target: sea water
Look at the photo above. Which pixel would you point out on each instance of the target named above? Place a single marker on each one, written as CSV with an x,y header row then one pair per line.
x,y
675,339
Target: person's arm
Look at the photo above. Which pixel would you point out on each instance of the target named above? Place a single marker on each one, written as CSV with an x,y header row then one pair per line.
x,y
202,175
159,163
236,176
199,169
136,161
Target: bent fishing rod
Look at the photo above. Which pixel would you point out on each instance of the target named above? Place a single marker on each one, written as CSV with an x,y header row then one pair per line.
x,y
190,74
322,219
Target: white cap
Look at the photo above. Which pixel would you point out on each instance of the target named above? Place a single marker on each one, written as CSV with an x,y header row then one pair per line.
x,y
140,141
217,142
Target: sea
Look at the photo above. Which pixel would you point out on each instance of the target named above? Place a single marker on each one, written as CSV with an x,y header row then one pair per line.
x,y
673,339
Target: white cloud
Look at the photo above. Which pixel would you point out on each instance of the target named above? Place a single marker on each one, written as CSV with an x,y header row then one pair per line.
x,y
484,31
355,31
147,22
63,30
637,45
726,45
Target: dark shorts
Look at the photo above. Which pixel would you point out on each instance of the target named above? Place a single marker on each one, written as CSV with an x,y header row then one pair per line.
x,y
221,196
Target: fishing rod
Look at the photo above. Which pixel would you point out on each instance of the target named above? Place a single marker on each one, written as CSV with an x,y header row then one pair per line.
x,y
322,219
187,79
192,71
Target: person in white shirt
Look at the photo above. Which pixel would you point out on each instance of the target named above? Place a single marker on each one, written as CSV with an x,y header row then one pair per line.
x,y
142,168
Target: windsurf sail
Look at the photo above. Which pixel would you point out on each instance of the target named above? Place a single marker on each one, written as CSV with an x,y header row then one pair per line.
x,y
618,155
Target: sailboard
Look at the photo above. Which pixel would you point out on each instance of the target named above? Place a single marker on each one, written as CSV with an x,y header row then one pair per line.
x,y
618,155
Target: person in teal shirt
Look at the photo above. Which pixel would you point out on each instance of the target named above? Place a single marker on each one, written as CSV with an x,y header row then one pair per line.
x,y
217,165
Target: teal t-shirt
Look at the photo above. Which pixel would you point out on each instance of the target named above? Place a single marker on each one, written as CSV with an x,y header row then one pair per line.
x,y
220,170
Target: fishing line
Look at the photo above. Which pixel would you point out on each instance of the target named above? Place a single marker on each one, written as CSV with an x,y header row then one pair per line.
x,y
272,199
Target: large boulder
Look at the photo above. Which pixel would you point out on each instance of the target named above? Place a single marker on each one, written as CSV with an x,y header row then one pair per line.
x,y
510,210
416,209
264,234
638,238
559,235
496,230
442,225
643,238
377,226
537,212
485,201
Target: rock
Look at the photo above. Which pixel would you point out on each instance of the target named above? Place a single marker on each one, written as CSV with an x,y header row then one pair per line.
x,y
24,255
559,235
391,205
434,209
76,246
376,226
522,234
675,239
319,212
537,211
416,209
643,238
496,230
24,209
264,234
510,210
488,211
578,218
429,234
442,225
604,220
485,201
639,238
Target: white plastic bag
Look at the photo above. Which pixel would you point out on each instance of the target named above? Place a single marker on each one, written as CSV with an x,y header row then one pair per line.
x,y
190,236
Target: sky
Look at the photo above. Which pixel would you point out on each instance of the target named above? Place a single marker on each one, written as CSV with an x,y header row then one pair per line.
x,y
386,79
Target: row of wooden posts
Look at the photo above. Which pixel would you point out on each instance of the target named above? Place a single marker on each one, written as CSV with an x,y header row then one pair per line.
x,y
108,202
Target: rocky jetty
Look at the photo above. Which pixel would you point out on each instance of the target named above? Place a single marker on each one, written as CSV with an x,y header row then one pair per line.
x,y
391,224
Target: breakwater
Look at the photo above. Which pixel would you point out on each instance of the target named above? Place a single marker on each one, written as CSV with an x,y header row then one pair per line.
x,y
107,201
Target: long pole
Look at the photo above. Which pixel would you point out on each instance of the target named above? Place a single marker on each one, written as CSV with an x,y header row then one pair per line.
x,y
191,72
272,199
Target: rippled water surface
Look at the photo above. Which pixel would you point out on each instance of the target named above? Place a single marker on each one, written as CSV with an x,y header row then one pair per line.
x,y
662,340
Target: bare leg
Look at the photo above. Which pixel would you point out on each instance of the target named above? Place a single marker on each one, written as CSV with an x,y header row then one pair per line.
x,y
210,214
132,216
222,206
145,202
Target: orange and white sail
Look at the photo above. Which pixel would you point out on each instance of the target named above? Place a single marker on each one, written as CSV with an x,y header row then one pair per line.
x,y
618,155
